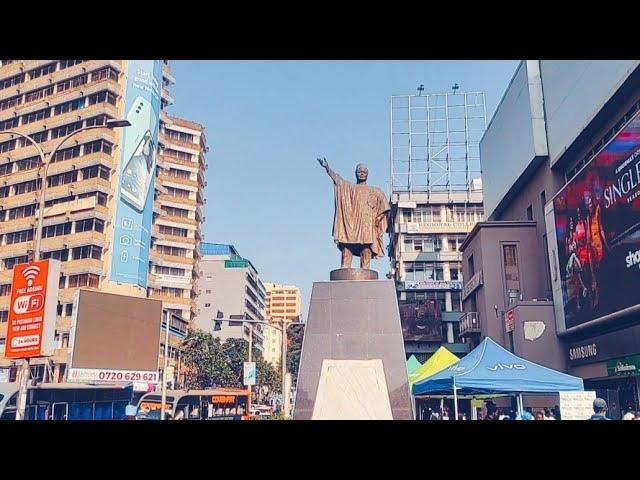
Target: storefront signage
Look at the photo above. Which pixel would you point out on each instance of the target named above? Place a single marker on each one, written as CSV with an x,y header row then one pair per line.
x,y
432,285
610,346
472,284
624,366
510,320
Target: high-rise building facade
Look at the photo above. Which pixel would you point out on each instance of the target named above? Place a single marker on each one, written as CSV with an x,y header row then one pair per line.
x,y
101,218
436,198
229,287
282,302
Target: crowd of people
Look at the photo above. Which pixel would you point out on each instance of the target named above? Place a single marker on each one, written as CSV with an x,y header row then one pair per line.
x,y
495,413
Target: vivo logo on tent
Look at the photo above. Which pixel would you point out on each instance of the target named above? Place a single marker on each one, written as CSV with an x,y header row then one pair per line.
x,y
511,366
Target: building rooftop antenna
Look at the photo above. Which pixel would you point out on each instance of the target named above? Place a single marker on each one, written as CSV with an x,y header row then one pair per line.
x,y
420,89
455,87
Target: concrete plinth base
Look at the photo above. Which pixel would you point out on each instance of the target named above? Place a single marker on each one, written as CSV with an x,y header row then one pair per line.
x,y
353,364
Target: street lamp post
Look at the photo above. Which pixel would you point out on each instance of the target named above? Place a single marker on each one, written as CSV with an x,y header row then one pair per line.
x,y
44,165
166,363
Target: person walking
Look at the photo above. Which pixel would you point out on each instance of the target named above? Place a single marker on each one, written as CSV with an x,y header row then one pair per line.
x,y
599,410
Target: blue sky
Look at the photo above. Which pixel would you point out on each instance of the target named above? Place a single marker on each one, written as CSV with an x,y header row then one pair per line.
x,y
267,121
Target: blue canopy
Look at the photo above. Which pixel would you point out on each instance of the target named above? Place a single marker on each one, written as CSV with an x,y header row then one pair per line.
x,y
489,368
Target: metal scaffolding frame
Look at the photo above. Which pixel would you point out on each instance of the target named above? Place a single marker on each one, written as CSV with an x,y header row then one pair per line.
x,y
435,141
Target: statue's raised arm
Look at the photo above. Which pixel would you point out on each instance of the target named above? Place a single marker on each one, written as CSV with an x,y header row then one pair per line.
x,y
324,164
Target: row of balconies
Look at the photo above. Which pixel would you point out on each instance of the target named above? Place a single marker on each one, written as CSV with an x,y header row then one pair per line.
x,y
57,76
52,101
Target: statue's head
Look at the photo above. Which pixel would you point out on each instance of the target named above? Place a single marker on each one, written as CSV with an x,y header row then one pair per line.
x,y
362,172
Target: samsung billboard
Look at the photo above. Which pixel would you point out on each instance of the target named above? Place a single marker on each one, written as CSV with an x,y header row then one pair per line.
x,y
134,214
597,225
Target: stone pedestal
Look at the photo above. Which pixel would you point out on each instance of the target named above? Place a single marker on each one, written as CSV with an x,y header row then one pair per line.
x,y
353,274
353,364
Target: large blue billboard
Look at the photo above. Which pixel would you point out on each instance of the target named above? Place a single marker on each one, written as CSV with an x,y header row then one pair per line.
x,y
135,192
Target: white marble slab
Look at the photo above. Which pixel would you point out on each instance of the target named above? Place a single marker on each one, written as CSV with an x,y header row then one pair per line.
x,y
352,390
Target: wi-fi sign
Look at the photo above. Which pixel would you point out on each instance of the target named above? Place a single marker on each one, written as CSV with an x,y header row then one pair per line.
x,y
30,274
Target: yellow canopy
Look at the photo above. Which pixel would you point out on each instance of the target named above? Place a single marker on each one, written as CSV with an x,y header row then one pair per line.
x,y
438,362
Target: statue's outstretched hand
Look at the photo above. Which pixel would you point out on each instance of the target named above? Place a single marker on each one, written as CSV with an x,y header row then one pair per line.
x,y
323,162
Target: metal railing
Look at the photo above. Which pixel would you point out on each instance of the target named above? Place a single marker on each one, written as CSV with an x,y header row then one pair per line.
x,y
469,323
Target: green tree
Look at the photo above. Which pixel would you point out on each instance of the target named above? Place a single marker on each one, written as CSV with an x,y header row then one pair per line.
x,y
295,335
204,361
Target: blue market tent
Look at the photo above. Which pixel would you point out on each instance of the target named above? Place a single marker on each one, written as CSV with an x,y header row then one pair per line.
x,y
490,369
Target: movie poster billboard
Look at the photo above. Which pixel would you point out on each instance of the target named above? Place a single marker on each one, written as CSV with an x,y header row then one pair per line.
x,y
597,224
134,214
421,321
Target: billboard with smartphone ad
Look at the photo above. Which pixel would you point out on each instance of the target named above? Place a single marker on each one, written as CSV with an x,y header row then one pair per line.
x,y
597,225
134,214
32,312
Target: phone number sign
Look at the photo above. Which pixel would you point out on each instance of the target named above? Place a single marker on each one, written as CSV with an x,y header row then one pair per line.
x,y
104,375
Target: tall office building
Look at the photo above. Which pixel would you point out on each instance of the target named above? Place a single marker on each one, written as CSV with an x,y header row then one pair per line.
x,y
436,198
282,301
230,287
116,222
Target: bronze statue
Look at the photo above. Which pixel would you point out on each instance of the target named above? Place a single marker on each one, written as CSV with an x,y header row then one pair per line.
x,y
361,216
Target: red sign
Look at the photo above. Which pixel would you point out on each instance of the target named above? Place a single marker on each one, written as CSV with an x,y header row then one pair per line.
x,y
510,320
31,319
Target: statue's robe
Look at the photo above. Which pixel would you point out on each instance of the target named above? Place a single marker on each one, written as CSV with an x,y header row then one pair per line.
x,y
360,215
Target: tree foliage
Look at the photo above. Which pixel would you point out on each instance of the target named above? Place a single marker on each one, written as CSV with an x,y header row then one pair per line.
x,y
295,335
210,363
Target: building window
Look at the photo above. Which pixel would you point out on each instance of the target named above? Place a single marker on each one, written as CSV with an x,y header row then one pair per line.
x,y
19,237
68,309
175,231
84,280
174,251
87,251
511,274
40,71
72,83
175,212
98,146
4,315
70,106
89,224
65,129
38,94
543,200
62,178
28,163
5,289
174,172
103,74
456,301
95,171
10,123
56,230
11,81
36,116
177,192
177,154
66,154
62,255
10,102
9,263
26,187
471,266
22,212
69,63
530,212
176,272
